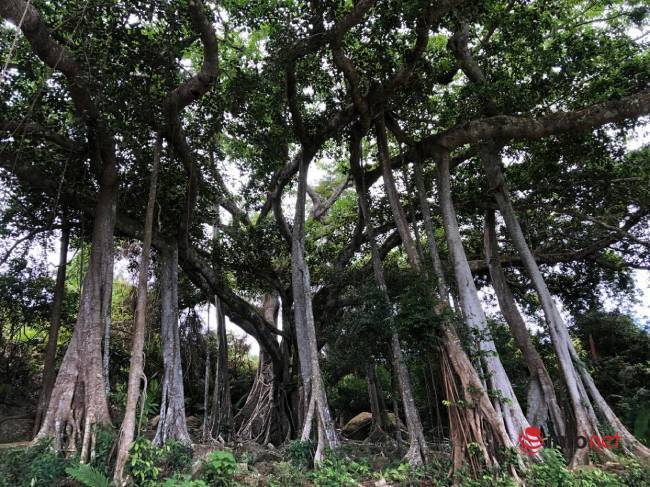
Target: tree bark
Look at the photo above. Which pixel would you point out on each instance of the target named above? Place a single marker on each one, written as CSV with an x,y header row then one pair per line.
x,y
499,383
380,422
49,361
136,368
542,401
206,383
78,400
172,423
418,451
221,421
260,419
305,328
576,376
476,419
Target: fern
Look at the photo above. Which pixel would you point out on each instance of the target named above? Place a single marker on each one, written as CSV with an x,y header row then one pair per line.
x,y
88,476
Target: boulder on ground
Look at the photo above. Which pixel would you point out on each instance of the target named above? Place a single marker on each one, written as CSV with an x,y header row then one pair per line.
x,y
16,428
358,428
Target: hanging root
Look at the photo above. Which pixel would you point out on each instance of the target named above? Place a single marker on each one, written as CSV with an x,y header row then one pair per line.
x,y
254,421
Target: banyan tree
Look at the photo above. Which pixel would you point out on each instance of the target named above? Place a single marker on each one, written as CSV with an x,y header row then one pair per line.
x,y
271,156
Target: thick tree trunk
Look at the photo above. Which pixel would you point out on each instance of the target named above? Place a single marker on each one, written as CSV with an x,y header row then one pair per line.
x,y
305,328
499,383
172,424
136,369
49,361
259,419
576,376
221,421
78,400
542,401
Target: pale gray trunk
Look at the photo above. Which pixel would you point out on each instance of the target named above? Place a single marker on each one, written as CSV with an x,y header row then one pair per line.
x,y
172,424
305,327
107,312
499,383
136,369
542,401
418,451
438,270
461,381
573,370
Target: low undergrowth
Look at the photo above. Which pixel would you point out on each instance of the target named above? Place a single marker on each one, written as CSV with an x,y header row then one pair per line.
x,y
174,466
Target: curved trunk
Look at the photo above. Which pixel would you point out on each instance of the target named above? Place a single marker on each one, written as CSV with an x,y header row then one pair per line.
x,y
542,401
305,328
172,423
499,383
136,369
49,373
576,376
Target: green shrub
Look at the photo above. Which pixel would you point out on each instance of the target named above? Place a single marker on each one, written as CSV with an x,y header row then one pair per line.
x,y
175,457
285,474
552,472
183,481
596,478
104,439
35,466
301,453
219,468
143,463
334,471
88,475
635,474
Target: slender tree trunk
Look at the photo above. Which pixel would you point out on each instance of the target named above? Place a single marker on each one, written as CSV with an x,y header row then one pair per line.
x,y
542,401
466,423
206,383
305,327
576,376
221,422
380,422
438,269
49,361
499,383
78,401
136,369
172,423
418,451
